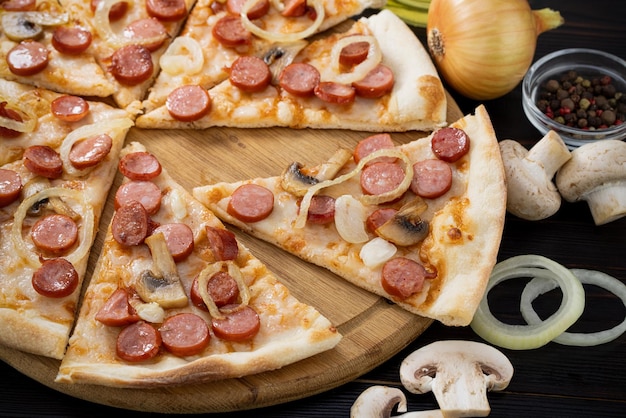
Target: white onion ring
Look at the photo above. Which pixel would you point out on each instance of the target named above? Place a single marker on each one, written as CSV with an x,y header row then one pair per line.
x,y
203,281
115,40
318,5
524,337
374,56
29,120
184,55
539,286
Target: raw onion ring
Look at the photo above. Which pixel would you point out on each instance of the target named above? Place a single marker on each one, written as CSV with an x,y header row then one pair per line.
x,y
524,337
374,56
539,286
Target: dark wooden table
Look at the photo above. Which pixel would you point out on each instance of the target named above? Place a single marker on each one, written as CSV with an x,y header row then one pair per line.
x,y
551,381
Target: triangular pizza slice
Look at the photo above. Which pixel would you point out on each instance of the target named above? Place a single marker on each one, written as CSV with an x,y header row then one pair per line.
x,y
418,223
176,299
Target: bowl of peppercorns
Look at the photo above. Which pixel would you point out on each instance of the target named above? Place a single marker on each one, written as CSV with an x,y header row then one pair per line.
x,y
579,93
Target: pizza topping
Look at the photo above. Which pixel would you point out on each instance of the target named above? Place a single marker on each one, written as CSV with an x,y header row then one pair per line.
x,y
145,192
377,218
222,288
167,10
204,288
54,234
231,32
56,278
257,10
19,5
102,24
431,178
138,342
320,13
132,64
161,284
350,219
373,143
130,224
139,165
44,161
185,334
179,239
15,120
69,108
299,79
406,227
222,242
117,9
329,169
354,53
295,181
251,203
450,144
238,325
17,27
402,277
379,178
147,28
183,55
376,83
359,71
27,58
321,210
10,186
335,93
280,55
188,103
377,251
117,310
71,40
250,74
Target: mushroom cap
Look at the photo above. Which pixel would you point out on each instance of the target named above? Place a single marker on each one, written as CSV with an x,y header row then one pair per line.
x,y
378,402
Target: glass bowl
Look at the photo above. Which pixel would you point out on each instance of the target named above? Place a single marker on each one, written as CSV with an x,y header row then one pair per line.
x,y
587,63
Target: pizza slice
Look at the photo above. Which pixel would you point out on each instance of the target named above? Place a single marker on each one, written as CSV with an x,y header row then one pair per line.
x,y
176,299
418,223
218,32
58,158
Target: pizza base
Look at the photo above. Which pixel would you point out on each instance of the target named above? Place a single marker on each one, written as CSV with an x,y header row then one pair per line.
x,y
463,265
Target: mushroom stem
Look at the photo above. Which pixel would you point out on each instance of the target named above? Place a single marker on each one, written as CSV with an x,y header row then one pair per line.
x,y
378,402
607,203
550,152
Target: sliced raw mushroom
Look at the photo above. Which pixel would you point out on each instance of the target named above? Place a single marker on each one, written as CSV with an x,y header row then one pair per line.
x,y
379,401
597,174
531,195
459,373
406,227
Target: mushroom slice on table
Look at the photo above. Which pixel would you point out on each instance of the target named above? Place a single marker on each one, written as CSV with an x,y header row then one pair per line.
x,y
596,174
531,195
379,401
459,373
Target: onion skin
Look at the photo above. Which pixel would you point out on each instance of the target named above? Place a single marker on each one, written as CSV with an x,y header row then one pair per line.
x,y
483,48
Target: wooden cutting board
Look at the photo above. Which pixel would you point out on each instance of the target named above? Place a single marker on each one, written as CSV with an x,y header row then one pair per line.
x,y
373,329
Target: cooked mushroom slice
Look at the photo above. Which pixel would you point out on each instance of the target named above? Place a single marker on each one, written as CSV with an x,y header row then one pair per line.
x,y
406,227
295,181
459,373
531,195
55,203
17,27
379,401
597,174
161,284
281,55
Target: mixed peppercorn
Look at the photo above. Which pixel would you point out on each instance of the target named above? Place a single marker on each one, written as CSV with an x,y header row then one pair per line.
x,y
583,102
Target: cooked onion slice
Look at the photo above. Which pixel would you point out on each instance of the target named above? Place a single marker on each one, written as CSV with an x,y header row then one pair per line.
x,y
318,5
52,18
115,40
376,252
350,219
184,55
523,337
374,56
540,286
203,281
365,199
28,122
86,231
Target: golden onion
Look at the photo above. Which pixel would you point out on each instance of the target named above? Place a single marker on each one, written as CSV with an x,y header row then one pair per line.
x,y
484,48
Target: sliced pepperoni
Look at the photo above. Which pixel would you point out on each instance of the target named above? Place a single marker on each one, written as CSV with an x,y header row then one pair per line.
x,y
71,40
240,325
188,103
222,242
9,114
403,277
335,93
145,192
185,334
90,151
376,83
137,342
294,8
117,11
43,161
230,32
167,10
379,217
117,310
380,178
450,144
250,74
55,278
27,58
69,108
299,79
372,144
10,186
179,239
140,165
55,233
19,5
257,11
147,28
222,288
132,64
130,223
431,178
321,210
251,203
354,53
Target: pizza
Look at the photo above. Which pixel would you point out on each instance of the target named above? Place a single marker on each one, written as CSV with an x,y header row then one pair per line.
x,y
175,298
418,223
375,76
58,158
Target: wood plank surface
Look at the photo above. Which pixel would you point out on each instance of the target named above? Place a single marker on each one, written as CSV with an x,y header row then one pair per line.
x,y
374,330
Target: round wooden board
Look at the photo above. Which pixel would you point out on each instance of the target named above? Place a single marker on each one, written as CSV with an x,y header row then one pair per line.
x,y
373,329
